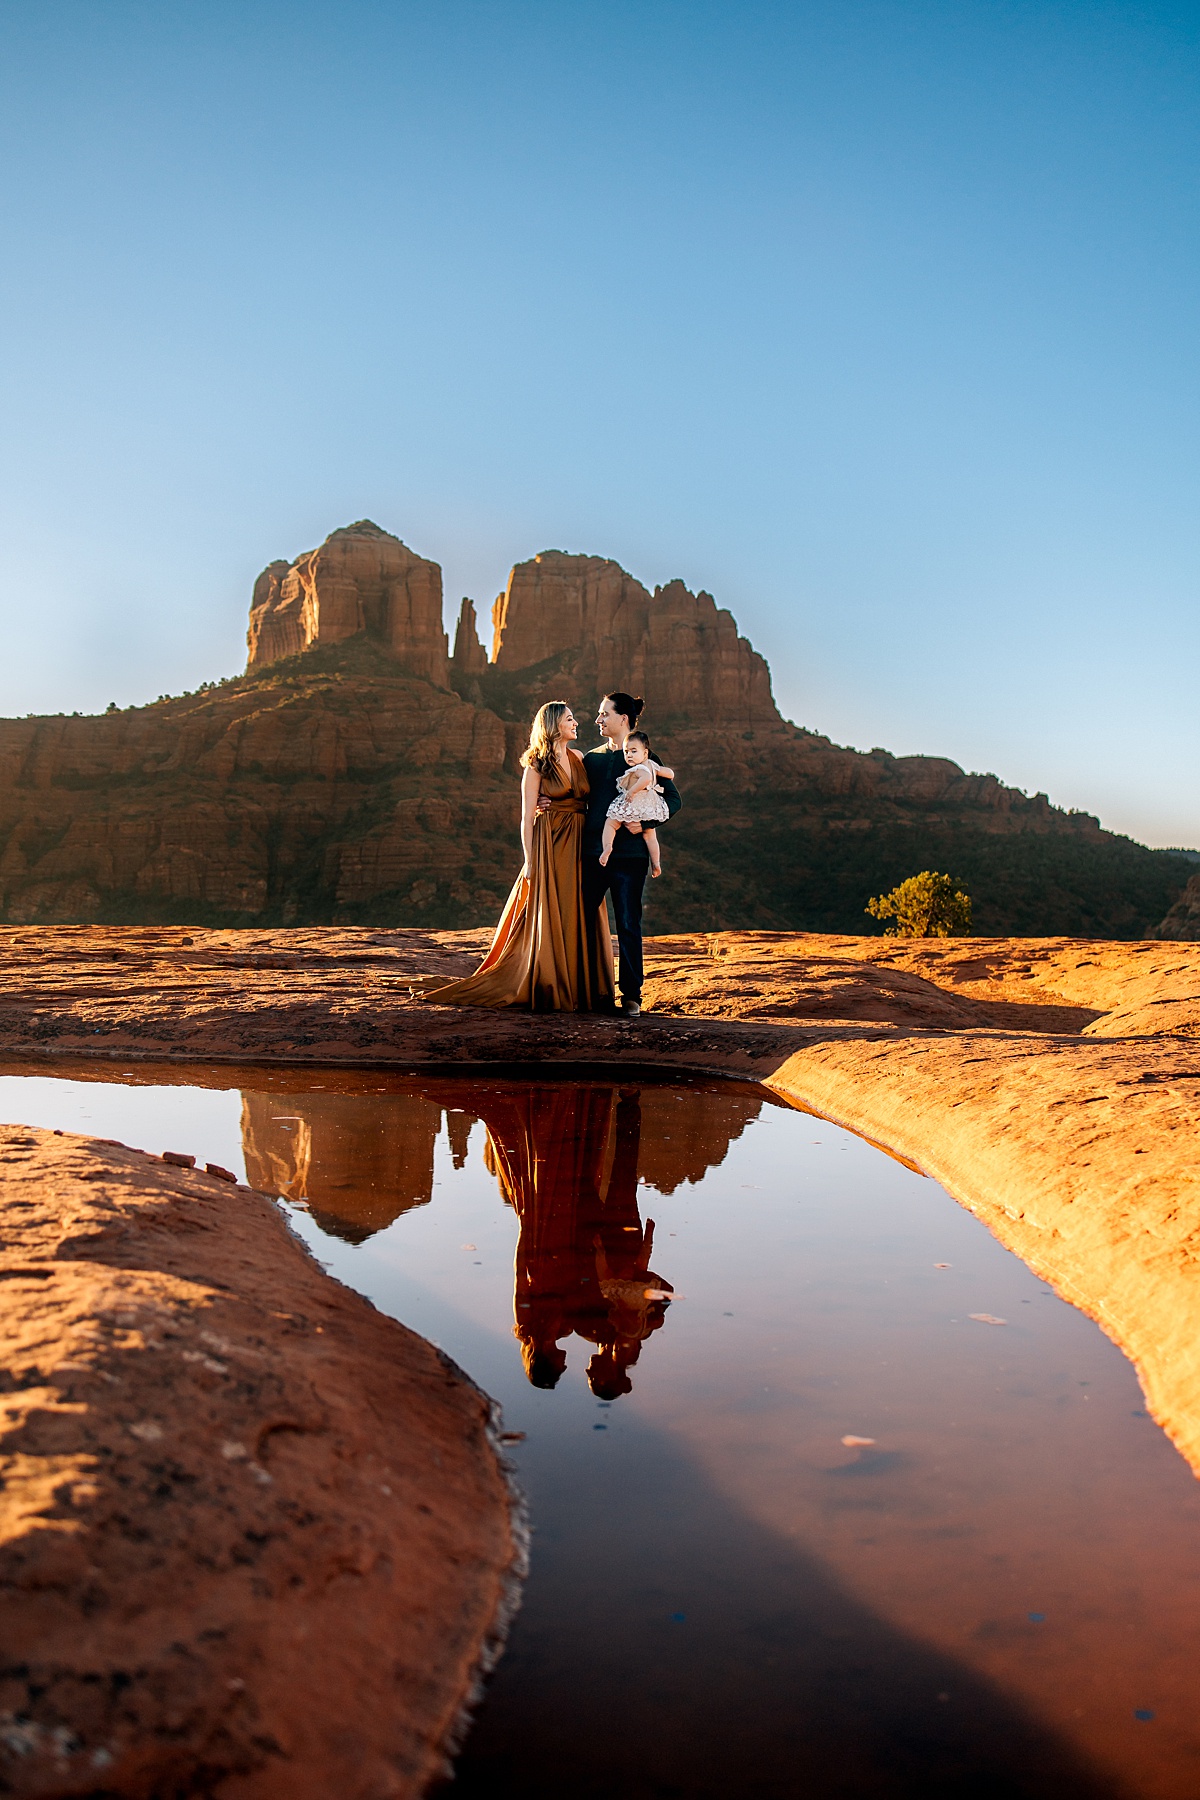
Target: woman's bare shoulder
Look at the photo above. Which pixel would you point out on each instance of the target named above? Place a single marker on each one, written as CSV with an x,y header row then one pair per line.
x,y
577,754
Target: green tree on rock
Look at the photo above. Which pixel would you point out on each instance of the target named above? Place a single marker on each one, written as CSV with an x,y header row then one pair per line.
x,y
926,905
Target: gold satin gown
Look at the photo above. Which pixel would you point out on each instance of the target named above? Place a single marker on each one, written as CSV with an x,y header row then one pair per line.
x,y
545,955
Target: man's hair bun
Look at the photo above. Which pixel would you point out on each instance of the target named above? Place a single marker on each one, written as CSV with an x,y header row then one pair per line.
x,y
628,704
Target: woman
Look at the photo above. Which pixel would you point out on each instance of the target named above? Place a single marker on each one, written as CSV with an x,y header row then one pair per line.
x,y
545,955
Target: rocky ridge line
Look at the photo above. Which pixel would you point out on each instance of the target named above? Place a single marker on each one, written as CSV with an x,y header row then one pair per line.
x,y
359,774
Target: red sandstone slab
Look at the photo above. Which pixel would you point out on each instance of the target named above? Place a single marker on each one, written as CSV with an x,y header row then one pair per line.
x,y
255,1538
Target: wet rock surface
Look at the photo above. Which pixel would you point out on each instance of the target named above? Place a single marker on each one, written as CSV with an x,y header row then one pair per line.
x,y
255,1537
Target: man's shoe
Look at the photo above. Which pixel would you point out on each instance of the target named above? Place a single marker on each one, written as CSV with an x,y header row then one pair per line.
x,y
631,1008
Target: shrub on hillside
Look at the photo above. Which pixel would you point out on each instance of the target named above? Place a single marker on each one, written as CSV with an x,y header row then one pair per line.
x,y
926,905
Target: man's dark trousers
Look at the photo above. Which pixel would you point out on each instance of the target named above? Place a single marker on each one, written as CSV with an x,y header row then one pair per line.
x,y
625,876
624,879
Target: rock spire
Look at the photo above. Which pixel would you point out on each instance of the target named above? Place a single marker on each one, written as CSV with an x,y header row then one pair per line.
x,y
470,657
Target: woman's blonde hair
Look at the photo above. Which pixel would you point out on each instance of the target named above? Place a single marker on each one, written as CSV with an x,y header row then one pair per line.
x,y
543,737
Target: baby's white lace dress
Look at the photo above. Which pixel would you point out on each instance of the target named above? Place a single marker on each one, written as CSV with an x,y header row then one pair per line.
x,y
649,807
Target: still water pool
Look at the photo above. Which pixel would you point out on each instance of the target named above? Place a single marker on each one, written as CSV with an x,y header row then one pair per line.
x,y
831,1496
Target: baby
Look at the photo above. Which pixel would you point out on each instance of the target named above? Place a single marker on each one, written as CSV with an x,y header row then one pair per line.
x,y
640,804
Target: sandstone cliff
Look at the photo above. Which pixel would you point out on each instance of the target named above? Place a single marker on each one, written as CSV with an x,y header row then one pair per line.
x,y
360,580
674,645
358,774
1183,920
299,786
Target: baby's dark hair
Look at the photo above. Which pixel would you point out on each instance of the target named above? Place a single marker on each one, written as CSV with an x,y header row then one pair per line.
x,y
641,738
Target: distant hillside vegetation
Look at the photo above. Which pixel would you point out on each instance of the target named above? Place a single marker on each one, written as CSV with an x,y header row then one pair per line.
x,y
334,788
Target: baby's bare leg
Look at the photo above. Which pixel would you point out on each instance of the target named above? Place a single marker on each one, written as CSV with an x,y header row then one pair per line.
x,y
651,837
611,828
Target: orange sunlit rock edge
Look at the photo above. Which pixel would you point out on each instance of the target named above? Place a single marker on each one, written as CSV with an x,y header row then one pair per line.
x,y
255,1537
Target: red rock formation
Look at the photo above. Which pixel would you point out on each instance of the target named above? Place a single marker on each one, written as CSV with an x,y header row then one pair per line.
x,y
360,580
675,647
470,657
254,1538
1183,920
199,806
373,777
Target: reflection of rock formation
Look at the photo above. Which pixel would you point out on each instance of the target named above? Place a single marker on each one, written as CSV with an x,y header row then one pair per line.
x,y
568,1159
687,1131
358,1160
361,579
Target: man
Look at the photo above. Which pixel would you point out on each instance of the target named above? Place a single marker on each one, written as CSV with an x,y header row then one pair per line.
x,y
624,876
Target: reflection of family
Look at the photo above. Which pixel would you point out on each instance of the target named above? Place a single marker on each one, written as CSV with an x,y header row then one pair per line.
x,y
588,830
567,1161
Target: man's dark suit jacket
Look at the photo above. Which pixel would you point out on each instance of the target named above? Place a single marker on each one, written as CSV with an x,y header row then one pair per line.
x,y
604,770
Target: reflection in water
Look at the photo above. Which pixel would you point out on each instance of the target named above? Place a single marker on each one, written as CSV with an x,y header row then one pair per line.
x,y
845,1538
568,1160
357,1160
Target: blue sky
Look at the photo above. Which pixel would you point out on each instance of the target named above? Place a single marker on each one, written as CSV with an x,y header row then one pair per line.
x,y
879,321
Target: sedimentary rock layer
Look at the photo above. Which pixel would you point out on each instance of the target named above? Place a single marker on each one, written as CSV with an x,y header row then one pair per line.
x,y
261,796
1183,921
255,1538
674,645
345,996
361,580
470,657
340,781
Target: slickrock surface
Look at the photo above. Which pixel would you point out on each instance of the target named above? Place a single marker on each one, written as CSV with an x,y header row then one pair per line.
x,y
1020,984
253,1534
329,995
1052,1085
